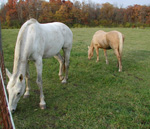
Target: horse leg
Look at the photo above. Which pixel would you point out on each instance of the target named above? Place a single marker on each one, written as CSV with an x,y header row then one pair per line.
x,y
97,53
119,59
61,62
105,53
26,95
67,56
39,66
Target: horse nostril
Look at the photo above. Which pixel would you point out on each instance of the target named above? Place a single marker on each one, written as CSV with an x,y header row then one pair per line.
x,y
13,110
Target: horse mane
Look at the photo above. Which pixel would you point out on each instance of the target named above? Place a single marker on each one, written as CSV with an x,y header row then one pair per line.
x,y
19,42
92,47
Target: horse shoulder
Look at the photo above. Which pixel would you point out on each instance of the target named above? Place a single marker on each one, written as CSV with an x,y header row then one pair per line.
x,y
100,38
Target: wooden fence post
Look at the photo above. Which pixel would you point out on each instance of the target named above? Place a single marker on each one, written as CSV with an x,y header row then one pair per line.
x,y
6,120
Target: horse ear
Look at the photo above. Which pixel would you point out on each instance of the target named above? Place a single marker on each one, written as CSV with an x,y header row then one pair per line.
x,y
8,73
21,77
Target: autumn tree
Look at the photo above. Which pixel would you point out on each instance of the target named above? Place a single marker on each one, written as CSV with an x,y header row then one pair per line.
x,y
76,12
55,5
64,13
16,12
107,13
11,14
118,16
20,10
46,14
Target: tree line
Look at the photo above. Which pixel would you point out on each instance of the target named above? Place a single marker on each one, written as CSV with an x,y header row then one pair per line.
x,y
77,14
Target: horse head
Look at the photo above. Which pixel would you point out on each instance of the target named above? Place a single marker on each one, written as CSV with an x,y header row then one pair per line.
x,y
90,53
16,88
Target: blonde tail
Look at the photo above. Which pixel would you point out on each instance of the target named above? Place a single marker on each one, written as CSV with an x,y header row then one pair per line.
x,y
121,40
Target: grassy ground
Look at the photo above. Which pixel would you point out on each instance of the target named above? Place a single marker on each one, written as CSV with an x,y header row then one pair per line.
x,y
96,95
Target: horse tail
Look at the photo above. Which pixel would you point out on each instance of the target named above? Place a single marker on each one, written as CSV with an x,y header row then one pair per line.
x,y
121,40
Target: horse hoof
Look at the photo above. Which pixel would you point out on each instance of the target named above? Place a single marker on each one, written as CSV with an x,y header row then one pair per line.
x,y
64,81
61,78
43,106
120,70
26,96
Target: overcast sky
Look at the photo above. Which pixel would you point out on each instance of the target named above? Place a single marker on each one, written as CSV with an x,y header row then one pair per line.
x,y
119,3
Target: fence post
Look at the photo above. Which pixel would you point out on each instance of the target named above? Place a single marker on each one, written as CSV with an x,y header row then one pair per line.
x,y
6,120
2,65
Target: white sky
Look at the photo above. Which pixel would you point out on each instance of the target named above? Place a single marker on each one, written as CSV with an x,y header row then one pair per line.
x,y
119,3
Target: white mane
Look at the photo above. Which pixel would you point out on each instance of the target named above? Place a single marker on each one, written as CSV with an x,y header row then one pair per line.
x,y
19,42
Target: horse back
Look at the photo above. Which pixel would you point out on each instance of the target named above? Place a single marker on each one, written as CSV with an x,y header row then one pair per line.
x,y
46,40
99,40
55,37
112,38
58,31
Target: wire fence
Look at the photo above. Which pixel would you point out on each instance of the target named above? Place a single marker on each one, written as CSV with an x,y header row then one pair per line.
x,y
6,120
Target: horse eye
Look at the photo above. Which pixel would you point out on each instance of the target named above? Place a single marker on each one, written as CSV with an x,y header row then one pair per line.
x,y
18,93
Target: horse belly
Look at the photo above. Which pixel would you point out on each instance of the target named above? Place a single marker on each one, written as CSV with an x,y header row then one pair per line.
x,y
52,50
49,54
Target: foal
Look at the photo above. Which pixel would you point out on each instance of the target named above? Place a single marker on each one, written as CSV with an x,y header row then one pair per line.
x,y
107,40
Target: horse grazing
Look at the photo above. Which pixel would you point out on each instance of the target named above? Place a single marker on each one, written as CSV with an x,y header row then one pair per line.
x,y
34,42
107,40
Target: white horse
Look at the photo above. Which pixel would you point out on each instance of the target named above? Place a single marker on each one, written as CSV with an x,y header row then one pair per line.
x,y
34,42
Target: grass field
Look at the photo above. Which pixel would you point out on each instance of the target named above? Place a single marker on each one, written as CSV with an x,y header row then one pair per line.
x,y
96,95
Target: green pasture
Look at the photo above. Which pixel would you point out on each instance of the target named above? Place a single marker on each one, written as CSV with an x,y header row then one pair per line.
x,y
96,96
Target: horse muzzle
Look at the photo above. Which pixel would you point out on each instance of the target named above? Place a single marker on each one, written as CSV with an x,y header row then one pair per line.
x,y
12,110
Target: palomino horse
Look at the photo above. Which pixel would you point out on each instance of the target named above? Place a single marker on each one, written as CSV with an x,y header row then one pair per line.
x,y
107,40
34,42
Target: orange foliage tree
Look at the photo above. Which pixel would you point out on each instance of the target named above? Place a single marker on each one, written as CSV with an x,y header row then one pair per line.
x,y
16,12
